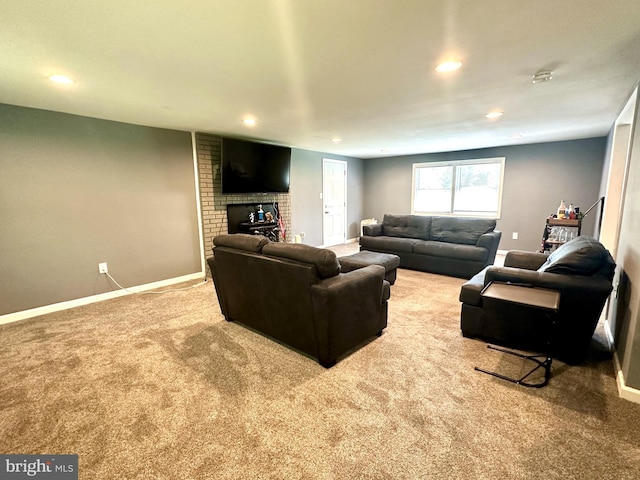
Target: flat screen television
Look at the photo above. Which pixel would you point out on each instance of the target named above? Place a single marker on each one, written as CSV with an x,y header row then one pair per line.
x,y
252,167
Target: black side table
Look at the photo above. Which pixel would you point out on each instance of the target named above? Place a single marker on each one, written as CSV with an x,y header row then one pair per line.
x,y
546,301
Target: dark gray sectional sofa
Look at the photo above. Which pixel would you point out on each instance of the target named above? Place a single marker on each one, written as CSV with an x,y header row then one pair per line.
x,y
455,246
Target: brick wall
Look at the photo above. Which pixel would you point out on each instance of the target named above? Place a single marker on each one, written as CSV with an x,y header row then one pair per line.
x,y
213,203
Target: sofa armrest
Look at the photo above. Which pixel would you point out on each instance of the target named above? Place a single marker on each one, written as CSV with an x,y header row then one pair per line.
x,y
364,284
348,309
373,230
523,259
490,242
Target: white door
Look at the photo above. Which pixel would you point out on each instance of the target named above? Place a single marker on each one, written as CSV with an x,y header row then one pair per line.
x,y
334,195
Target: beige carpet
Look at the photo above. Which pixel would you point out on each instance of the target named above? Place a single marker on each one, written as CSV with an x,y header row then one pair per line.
x,y
161,387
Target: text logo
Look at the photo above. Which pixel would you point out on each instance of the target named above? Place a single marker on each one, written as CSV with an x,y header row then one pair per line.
x,y
49,467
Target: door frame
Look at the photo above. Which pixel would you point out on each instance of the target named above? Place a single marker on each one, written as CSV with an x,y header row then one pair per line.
x,y
616,186
618,304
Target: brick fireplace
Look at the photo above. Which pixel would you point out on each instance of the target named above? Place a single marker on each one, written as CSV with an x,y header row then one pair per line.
x,y
213,203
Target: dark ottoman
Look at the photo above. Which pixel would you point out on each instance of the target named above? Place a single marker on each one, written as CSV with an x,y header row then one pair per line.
x,y
365,258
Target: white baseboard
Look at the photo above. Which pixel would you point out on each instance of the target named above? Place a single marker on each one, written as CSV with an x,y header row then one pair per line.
x,y
56,307
628,393
625,392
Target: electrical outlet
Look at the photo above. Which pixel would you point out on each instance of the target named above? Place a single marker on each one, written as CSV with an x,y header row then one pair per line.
x,y
102,267
514,236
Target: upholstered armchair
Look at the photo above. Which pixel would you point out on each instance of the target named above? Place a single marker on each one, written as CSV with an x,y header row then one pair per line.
x,y
581,270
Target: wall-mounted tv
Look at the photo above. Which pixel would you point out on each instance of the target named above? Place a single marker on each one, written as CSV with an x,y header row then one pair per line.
x,y
252,167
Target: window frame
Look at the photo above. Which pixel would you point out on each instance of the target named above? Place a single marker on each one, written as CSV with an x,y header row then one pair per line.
x,y
454,164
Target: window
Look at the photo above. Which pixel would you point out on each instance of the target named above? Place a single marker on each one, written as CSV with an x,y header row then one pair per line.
x,y
458,188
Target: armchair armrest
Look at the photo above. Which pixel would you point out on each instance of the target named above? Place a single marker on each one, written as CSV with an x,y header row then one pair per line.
x,y
524,259
373,230
587,288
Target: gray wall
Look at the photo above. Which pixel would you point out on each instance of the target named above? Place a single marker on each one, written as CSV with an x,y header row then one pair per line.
x,y
76,191
306,187
537,177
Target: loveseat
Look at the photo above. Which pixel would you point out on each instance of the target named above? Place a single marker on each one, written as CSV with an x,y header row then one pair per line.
x,y
581,270
297,295
455,246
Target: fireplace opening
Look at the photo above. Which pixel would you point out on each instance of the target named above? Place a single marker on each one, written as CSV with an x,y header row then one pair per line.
x,y
245,218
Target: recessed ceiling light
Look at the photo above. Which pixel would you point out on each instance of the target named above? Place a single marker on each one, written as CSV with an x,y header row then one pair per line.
x,y
61,79
336,139
449,66
542,76
494,115
517,135
250,122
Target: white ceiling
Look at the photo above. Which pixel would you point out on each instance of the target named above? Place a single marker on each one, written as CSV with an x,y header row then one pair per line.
x,y
310,70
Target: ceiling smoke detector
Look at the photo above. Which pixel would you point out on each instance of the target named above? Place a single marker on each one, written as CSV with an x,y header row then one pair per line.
x,y
542,76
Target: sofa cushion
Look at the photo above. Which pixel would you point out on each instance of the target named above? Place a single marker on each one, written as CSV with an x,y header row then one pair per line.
x,y
450,250
242,241
466,231
581,256
388,244
406,226
324,260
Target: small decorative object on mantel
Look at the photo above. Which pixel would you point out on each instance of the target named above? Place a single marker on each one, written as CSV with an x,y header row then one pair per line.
x,y
268,217
252,217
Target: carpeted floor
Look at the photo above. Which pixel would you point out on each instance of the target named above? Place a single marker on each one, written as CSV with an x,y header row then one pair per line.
x,y
161,387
